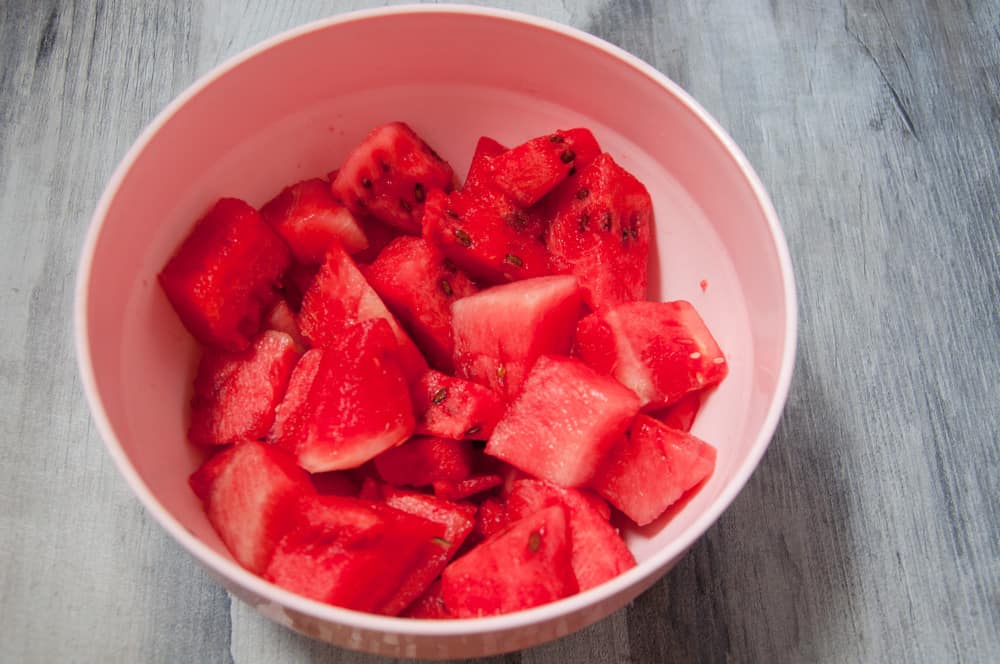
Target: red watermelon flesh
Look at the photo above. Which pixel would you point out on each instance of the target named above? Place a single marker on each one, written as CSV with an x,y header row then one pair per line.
x,y
389,174
429,606
339,297
651,468
528,171
357,406
601,232
462,489
457,519
422,461
250,491
225,274
662,350
501,331
419,285
336,483
524,566
453,407
350,553
485,234
481,169
681,414
597,550
308,218
379,237
297,281
564,422
290,414
235,394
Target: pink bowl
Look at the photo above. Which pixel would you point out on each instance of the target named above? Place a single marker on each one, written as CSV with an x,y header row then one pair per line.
x,y
290,108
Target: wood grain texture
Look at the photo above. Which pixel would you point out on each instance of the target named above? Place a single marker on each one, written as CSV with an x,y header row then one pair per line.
x,y
871,530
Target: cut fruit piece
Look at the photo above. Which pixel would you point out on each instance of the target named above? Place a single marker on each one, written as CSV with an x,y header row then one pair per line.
x,y
357,404
681,414
225,274
389,174
351,553
481,168
235,394
453,407
419,285
501,331
565,421
524,566
659,350
422,461
339,297
291,413
601,232
462,489
250,491
457,520
651,468
309,219
597,550
528,171
486,235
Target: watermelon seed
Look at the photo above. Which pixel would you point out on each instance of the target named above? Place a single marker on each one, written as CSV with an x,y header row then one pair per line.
x,y
556,138
514,260
572,171
463,237
583,193
446,287
448,265
441,542
405,204
695,355
473,430
718,360
419,193
567,156
635,233
361,204
624,235
451,213
501,374
517,219
534,542
584,222
440,395
366,183
606,221
385,166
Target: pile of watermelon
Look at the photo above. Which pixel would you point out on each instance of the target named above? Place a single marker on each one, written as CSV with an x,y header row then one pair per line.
x,y
430,400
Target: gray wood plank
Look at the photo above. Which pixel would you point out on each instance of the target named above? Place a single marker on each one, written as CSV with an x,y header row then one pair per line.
x,y
871,530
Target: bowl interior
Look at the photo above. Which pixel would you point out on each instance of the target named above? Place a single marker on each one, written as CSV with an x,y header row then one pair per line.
x,y
292,109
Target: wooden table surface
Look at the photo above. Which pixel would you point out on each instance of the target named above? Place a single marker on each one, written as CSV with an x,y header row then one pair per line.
x,y
870,531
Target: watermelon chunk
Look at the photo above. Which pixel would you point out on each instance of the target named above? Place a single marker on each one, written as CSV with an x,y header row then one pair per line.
x,y
601,232
250,492
308,218
419,285
462,489
421,461
339,297
453,407
501,331
659,350
351,553
519,568
225,274
389,174
597,550
356,405
235,394
565,421
291,414
528,171
651,468
681,414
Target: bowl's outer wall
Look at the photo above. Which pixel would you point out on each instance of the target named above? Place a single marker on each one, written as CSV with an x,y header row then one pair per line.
x,y
291,111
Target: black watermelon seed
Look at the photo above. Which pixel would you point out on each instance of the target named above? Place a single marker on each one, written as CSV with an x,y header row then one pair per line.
x,y
446,288
514,260
451,213
567,156
556,138
534,542
463,237
440,395
366,183
606,221
419,193
583,193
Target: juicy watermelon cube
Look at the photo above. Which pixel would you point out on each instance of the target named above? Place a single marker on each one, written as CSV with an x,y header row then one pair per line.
x,y
339,297
421,461
600,233
501,331
453,407
486,234
235,394
308,218
419,285
651,468
564,422
597,551
250,492
389,174
356,406
659,350
528,171
225,274
524,566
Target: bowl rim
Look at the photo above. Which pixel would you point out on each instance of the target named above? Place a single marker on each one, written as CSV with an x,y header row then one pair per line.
x,y
232,571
